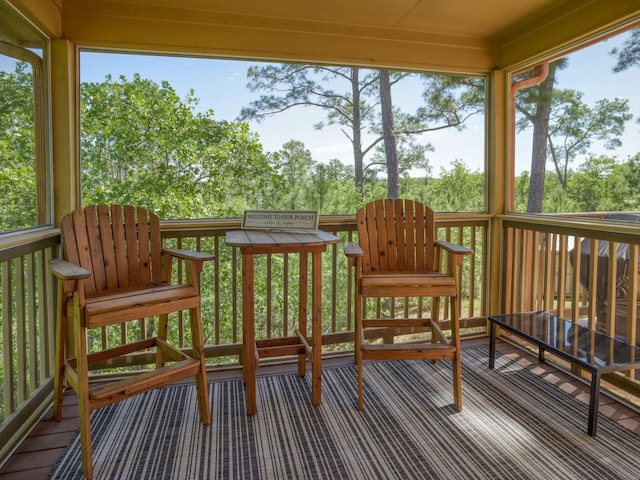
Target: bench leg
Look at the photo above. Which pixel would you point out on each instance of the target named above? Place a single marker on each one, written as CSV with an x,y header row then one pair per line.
x,y
594,399
492,345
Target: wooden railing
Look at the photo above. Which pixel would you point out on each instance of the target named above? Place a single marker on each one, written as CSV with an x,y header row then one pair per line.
x,y
538,266
547,264
28,310
278,276
26,331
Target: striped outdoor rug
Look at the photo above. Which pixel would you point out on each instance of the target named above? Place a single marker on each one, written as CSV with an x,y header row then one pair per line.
x,y
513,426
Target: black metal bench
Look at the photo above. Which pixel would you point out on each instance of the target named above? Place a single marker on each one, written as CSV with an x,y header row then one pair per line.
x,y
586,348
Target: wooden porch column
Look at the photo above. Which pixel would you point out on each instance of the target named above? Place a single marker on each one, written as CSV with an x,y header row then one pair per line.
x,y
64,128
496,184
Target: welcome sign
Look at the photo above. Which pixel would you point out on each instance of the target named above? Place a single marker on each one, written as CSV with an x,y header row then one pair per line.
x,y
280,219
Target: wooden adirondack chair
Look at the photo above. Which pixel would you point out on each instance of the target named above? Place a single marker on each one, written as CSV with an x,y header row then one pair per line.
x,y
115,270
397,255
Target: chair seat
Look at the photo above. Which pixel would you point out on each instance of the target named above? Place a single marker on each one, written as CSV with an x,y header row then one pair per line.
x,y
132,303
407,283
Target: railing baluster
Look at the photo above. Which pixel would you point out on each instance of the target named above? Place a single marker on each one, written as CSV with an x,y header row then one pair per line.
x,y
21,331
612,283
593,283
576,289
632,301
562,276
32,324
8,368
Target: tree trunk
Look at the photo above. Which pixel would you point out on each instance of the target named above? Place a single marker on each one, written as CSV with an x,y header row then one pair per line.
x,y
539,144
389,135
358,156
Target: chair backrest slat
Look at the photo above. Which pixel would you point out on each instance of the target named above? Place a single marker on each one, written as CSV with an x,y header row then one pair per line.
x,y
143,247
400,261
396,235
131,237
121,246
156,249
81,228
380,234
421,236
107,243
392,243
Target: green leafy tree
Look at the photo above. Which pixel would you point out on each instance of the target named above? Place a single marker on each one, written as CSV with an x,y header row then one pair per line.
x,y
630,171
306,184
17,150
535,106
598,185
341,91
333,188
351,97
629,54
295,168
142,144
565,127
457,190
575,126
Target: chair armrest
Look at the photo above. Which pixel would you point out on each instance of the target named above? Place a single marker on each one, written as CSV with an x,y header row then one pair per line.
x,y
352,249
189,254
68,271
453,248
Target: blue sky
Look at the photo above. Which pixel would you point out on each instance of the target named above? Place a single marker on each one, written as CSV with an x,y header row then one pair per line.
x,y
221,85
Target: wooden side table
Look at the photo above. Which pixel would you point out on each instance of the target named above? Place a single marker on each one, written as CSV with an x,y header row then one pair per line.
x,y
255,242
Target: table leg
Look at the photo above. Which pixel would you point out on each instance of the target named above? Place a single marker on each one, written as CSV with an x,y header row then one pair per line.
x,y
594,400
248,332
303,311
316,327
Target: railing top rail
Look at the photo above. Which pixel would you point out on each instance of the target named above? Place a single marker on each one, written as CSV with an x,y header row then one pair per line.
x,y
615,230
25,242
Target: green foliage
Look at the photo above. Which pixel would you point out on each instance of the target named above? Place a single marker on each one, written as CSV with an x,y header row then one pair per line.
x,y
458,190
600,184
143,145
17,150
352,98
629,54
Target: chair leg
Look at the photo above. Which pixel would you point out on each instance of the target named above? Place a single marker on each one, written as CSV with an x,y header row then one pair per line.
x,y
85,436
58,374
82,390
360,385
457,361
201,376
163,327
435,316
358,343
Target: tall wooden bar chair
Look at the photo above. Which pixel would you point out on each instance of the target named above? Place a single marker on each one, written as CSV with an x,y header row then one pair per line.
x,y
115,271
398,255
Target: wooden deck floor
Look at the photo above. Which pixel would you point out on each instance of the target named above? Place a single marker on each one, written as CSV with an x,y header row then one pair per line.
x,y
34,459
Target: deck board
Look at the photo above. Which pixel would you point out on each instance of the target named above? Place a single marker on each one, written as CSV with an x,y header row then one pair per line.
x,y
40,451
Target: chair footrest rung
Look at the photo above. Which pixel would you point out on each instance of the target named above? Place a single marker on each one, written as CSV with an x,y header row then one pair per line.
x,y
280,347
281,351
142,382
418,351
